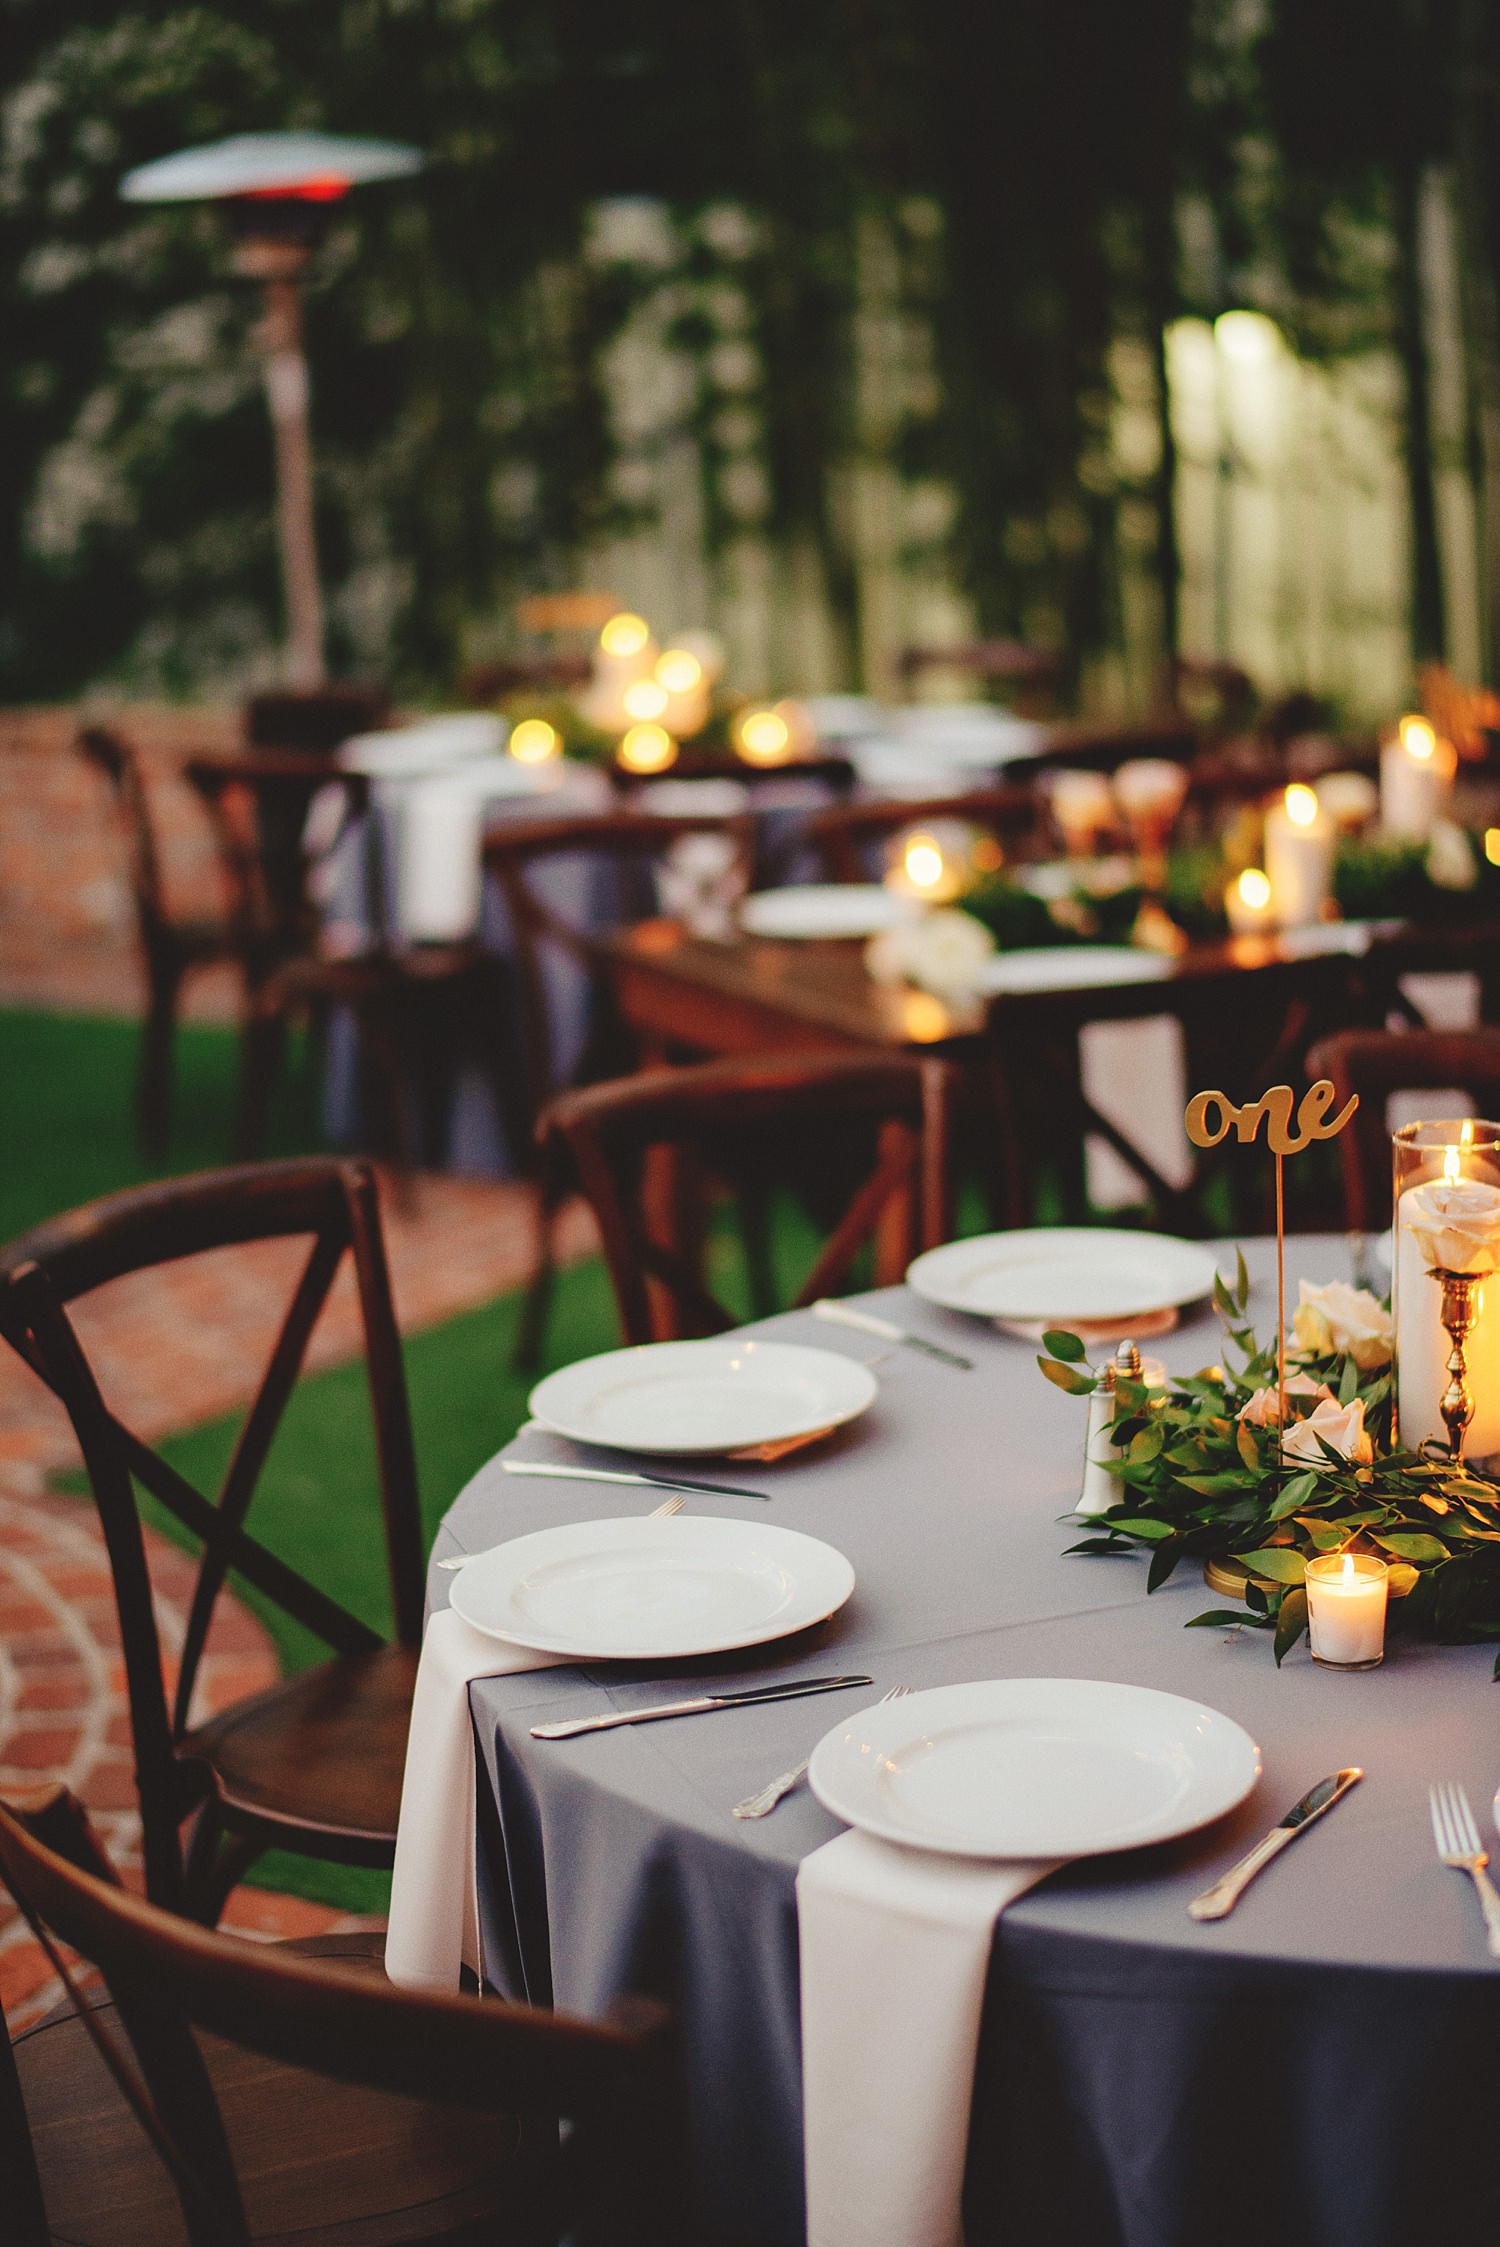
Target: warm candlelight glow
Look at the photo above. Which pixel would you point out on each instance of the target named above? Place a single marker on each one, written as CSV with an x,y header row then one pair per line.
x,y
533,741
1450,1166
1301,805
1254,889
763,737
1346,1602
923,861
679,671
645,699
647,748
1492,845
1418,739
624,634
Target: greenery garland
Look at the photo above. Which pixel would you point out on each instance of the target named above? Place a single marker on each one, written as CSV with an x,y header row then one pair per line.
x,y
1202,1482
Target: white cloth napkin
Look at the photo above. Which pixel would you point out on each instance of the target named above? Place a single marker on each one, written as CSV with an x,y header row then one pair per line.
x,y
895,1950
434,1922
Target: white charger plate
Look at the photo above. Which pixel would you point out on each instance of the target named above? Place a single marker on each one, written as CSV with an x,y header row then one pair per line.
x,y
1033,1767
1057,1272
651,1590
1072,967
720,1395
823,909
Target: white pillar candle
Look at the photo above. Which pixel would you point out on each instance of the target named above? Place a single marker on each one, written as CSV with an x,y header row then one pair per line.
x,y
1346,1594
1410,781
1453,1216
1299,857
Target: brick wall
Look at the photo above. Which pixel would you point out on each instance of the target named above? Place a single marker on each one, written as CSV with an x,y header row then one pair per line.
x,y
67,928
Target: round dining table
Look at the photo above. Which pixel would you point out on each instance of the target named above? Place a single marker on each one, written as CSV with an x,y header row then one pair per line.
x,y
1321,2068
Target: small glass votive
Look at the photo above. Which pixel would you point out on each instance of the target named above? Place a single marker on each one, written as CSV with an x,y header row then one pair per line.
x,y
1346,1594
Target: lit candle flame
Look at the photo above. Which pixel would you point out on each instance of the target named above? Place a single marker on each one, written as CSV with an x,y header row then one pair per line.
x,y
1301,805
679,671
1450,1166
645,699
923,861
647,749
624,634
763,737
533,741
1418,739
1348,1570
1255,889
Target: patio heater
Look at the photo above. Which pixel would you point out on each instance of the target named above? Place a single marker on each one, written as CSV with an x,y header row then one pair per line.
x,y
276,190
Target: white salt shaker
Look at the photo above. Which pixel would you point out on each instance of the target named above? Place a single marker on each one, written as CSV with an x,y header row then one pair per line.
x,y
1101,1489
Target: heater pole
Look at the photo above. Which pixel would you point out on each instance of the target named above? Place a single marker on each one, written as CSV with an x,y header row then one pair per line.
x,y
285,365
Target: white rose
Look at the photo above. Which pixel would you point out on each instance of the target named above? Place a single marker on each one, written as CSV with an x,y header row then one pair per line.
x,y
1264,1408
1341,1317
1341,1427
1455,1225
1450,857
945,952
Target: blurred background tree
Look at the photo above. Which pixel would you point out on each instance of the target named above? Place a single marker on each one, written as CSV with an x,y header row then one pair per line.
x,y
840,324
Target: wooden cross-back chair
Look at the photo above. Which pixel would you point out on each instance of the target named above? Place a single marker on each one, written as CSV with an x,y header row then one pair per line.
x,y
846,837
225,2092
1376,1063
754,1123
173,945
315,1763
624,841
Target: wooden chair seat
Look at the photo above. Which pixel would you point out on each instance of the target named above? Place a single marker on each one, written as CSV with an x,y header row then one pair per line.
x,y
322,1753
320,2164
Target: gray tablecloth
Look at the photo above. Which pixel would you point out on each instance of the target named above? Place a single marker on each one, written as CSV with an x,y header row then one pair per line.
x,y
1323,2066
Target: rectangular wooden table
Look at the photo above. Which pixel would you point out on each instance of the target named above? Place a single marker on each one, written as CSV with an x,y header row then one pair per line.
x,y
1250,1007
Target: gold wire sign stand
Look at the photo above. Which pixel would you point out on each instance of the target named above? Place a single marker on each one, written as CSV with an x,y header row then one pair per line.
x,y
1274,1109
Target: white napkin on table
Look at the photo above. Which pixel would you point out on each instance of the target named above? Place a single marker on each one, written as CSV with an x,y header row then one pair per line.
x,y
434,1922
895,1951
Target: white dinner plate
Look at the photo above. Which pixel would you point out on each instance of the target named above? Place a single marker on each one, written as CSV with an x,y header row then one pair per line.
x,y
719,1395
1033,1767
1063,1272
651,1590
812,909
1072,967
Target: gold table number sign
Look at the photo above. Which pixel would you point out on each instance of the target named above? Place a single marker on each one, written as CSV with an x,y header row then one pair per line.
x,y
1274,1108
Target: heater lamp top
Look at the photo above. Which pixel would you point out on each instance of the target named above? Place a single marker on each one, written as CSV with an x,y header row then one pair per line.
x,y
313,166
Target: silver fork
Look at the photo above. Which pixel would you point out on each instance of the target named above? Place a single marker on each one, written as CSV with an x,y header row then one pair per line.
x,y
760,1805
671,1506
1457,1838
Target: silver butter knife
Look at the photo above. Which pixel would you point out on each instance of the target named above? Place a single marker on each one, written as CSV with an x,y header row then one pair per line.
x,y
557,1473
789,1692
1219,1901
865,1322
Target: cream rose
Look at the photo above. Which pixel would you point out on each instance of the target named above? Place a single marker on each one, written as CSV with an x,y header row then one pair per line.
x,y
1455,1225
1264,1408
1341,1426
1341,1317
945,952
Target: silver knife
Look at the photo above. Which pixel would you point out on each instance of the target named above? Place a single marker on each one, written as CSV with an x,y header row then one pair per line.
x,y
560,1473
789,1692
1217,1902
843,1314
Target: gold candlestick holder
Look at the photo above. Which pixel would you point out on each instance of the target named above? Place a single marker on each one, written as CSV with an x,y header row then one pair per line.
x,y
1458,1315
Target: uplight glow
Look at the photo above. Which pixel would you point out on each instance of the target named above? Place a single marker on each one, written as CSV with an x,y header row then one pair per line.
x,y
1301,805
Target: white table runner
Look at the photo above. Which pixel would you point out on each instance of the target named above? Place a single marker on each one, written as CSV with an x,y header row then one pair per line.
x,y
895,1950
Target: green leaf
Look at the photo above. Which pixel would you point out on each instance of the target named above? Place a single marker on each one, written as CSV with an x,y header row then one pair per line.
x,y
1349,1385
1064,1345
1212,1617
1224,1302
1063,1377
1246,1445
1292,1495
1291,1622
1281,1563
1163,1561
1413,1545
1146,1446
1241,1279
1141,1525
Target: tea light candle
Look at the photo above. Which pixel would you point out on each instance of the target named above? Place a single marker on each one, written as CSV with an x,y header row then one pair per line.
x,y
1346,1594
1299,857
1410,781
1248,904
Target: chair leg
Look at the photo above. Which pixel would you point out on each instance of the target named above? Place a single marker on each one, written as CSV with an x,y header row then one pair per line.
x,y
531,1331
754,1206
262,1042
154,1083
216,1864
